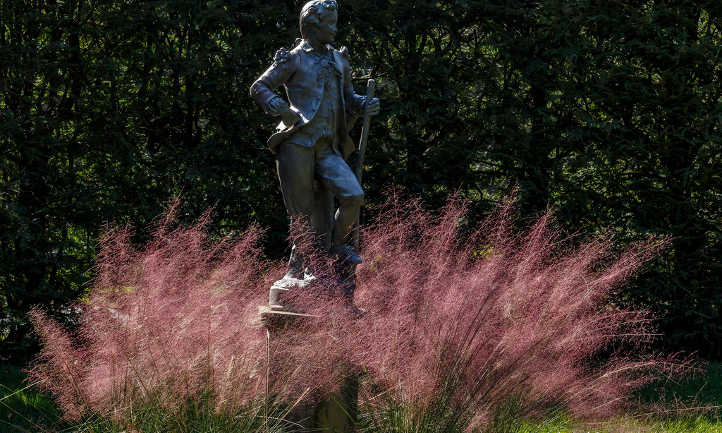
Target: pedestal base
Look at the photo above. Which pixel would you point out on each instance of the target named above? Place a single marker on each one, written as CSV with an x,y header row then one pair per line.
x,y
334,414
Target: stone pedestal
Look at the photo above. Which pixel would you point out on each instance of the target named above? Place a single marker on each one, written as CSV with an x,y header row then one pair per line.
x,y
334,414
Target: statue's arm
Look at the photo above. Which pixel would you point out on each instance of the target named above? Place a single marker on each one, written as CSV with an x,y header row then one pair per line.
x,y
262,90
355,104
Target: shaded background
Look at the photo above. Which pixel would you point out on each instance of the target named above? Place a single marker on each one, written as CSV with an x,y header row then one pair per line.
x,y
607,111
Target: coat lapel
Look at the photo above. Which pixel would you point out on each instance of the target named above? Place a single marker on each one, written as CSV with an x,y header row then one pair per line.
x,y
338,66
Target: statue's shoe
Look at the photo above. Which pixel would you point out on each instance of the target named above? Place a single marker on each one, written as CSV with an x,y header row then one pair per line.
x,y
346,254
281,289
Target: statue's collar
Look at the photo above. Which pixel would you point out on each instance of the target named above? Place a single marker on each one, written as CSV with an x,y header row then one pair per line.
x,y
307,47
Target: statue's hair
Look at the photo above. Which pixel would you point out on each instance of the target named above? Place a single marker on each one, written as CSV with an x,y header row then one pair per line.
x,y
312,12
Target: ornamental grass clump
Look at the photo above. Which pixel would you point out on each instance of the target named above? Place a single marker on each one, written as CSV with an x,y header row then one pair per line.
x,y
454,324
459,323
168,323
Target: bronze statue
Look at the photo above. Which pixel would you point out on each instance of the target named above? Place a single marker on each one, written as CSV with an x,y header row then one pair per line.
x,y
312,144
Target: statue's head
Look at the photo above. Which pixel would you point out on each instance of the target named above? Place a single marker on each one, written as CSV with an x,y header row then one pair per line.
x,y
318,19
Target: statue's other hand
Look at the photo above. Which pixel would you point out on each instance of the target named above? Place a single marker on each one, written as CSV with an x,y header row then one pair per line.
x,y
290,117
373,107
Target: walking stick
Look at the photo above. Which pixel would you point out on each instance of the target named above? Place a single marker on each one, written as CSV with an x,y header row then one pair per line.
x,y
370,88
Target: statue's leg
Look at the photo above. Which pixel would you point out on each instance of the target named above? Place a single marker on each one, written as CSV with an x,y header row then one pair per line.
x,y
295,165
345,218
322,217
338,178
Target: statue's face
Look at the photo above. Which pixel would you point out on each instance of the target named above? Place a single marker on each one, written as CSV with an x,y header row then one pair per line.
x,y
326,30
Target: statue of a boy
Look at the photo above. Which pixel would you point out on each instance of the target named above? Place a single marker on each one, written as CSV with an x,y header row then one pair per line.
x,y
312,144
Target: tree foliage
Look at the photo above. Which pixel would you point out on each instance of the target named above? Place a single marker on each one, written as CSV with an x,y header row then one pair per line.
x,y
609,112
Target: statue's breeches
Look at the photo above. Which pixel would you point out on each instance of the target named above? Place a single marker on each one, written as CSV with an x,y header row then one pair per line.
x,y
298,167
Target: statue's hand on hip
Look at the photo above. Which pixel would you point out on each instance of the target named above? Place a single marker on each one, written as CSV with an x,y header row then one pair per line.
x,y
373,107
279,107
290,117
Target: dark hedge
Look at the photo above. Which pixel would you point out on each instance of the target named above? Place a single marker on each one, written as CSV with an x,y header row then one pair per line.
x,y
608,111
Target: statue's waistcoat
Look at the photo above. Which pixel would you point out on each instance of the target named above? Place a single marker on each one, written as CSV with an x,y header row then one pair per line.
x,y
305,87
328,114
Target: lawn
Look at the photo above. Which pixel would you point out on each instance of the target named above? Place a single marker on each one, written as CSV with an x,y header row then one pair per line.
x,y
22,408
692,405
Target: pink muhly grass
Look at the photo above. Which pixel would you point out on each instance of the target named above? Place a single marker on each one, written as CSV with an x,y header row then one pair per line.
x,y
463,321
166,323
477,319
